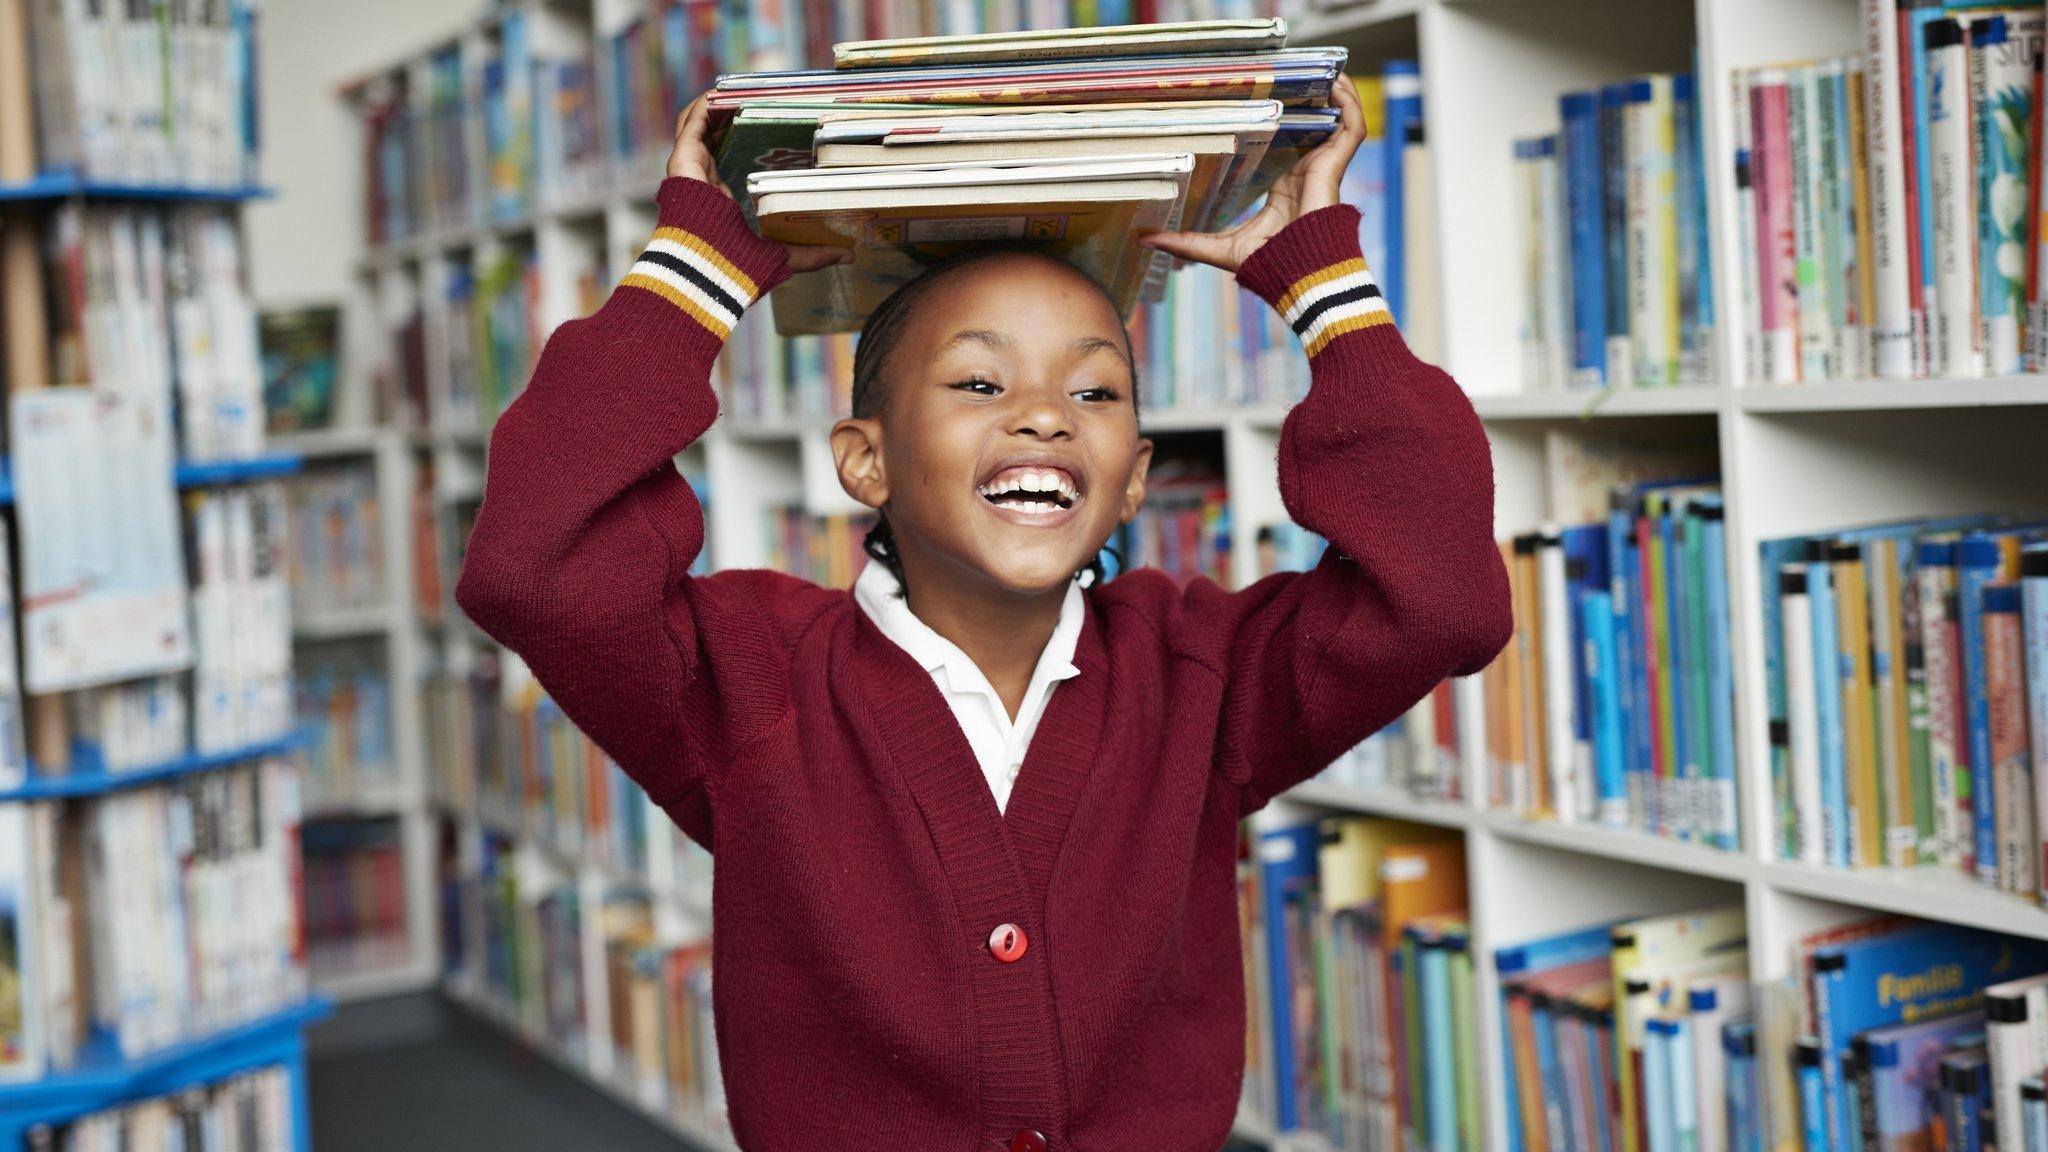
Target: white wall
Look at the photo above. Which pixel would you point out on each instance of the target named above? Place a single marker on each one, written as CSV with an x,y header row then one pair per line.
x,y
303,240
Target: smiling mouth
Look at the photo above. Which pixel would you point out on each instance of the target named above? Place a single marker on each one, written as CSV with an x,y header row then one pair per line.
x,y
1031,490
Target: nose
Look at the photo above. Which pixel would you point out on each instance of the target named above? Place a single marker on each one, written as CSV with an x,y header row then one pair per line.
x,y
1040,412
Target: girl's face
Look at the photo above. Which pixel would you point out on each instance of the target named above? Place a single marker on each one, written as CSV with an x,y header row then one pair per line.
x,y
1007,449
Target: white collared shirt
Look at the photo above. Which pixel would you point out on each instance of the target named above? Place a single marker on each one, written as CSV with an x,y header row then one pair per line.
x,y
999,742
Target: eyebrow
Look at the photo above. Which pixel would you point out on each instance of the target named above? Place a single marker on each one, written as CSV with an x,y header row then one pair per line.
x,y
1087,344
983,336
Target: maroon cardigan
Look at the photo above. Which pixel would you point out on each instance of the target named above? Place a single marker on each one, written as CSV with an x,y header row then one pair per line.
x,y
899,965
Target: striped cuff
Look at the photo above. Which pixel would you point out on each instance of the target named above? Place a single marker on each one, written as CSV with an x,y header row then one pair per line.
x,y
684,269
704,259
1312,274
1327,303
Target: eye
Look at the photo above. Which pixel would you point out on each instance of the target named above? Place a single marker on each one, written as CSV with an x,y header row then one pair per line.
x,y
1099,395
977,386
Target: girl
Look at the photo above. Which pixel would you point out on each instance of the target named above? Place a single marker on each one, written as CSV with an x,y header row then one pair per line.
x,y
976,827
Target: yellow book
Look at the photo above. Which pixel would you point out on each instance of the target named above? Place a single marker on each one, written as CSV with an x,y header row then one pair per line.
x,y
1372,101
897,232
1859,705
1648,955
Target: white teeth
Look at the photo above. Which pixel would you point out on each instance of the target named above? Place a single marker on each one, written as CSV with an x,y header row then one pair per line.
x,y
1031,480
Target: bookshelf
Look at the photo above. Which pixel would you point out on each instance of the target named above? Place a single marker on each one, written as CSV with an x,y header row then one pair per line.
x,y
1793,459
172,768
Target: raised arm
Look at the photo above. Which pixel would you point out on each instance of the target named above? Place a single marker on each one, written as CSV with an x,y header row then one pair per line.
x,y
579,557
1386,459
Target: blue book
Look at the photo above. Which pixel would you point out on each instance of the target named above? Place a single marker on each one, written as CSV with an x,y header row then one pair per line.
x,y
1813,1101
1603,673
1574,947
1923,168
1720,719
1689,204
1614,178
1834,780
1600,1052
1585,200
1701,241
1585,569
1625,576
1905,1069
1364,187
1543,1020
1745,1121
1660,1111
1965,1093
1917,971
1687,770
1402,82
1440,1072
1977,565
1685,1101
1288,878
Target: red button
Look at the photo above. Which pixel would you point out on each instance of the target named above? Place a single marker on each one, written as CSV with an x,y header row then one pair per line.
x,y
1006,943
1029,1140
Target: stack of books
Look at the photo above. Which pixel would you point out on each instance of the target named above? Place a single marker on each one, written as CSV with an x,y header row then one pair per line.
x,y
1077,140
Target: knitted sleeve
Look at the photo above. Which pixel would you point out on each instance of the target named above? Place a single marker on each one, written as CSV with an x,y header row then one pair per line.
x,y
1386,459
579,557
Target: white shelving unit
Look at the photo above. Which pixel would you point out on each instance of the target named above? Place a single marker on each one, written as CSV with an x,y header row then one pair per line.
x,y
393,624
1793,459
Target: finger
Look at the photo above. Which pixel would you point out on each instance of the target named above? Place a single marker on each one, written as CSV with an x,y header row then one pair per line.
x,y
691,157
811,257
1200,247
1322,170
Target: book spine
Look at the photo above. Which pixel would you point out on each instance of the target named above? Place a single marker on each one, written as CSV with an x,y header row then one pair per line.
x,y
1976,566
2001,74
2005,687
1813,1106
1933,577
1748,299
1808,116
1653,328
1623,574
1604,670
2009,1042
1887,224
1554,219
1952,187
1614,156
1837,229
1694,301
1579,142
1918,755
1828,712
1553,607
2033,1115
1802,717
1720,675
1901,835
1864,283
2034,638
1852,614
1771,169
1403,86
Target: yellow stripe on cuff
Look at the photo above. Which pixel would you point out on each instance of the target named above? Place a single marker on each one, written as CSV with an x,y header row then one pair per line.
x,y
1371,319
716,326
717,259
1302,286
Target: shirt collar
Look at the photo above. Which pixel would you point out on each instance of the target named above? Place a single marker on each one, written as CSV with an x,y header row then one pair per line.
x,y
876,590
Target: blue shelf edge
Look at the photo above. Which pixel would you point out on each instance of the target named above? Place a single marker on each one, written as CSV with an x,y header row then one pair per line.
x,y
89,775
199,473
63,184
108,1082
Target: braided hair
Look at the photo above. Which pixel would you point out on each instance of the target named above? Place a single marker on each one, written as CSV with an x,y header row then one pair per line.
x,y
878,338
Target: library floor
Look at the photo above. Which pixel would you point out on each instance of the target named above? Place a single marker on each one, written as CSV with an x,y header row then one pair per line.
x,y
411,1074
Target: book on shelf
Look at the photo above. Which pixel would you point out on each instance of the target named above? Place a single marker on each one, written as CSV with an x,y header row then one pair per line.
x,y
247,1110
1903,673
139,919
1359,983
301,357
1885,201
1613,226
336,560
353,877
141,94
344,700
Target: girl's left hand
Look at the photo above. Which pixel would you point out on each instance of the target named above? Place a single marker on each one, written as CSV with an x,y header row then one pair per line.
x,y
1309,185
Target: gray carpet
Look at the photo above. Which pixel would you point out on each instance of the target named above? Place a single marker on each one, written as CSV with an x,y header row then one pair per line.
x,y
413,1074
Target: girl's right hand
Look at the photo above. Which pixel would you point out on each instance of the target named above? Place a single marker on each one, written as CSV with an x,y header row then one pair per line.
x,y
692,160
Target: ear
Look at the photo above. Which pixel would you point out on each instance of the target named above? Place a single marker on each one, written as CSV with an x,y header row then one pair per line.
x,y
1134,492
857,453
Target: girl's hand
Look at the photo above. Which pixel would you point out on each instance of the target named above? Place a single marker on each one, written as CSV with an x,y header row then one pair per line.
x,y
1309,185
692,160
